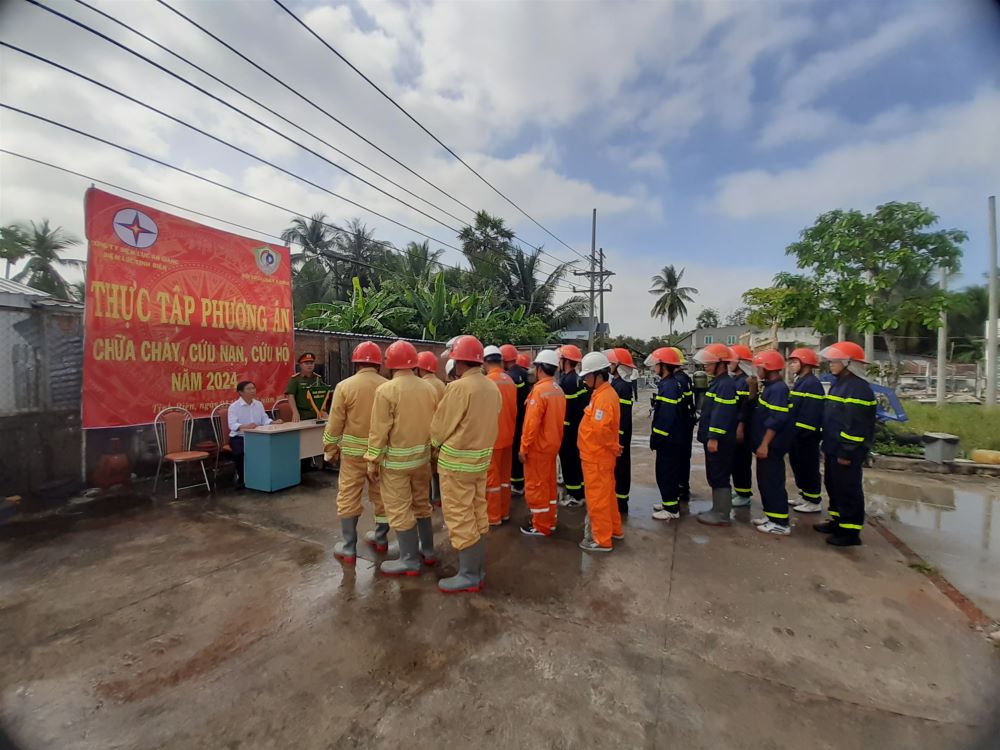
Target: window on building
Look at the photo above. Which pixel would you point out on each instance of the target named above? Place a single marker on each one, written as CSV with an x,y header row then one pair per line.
x,y
730,340
708,339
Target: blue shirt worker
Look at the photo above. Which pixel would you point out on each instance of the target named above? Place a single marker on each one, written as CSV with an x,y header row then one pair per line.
x,y
848,431
717,431
770,431
807,400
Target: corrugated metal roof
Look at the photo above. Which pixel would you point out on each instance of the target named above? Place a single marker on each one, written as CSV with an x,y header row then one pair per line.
x,y
365,336
61,303
12,287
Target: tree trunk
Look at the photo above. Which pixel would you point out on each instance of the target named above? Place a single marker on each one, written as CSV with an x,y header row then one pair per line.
x,y
890,346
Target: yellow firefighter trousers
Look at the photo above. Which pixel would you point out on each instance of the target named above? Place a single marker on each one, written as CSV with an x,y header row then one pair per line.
x,y
463,505
406,495
350,486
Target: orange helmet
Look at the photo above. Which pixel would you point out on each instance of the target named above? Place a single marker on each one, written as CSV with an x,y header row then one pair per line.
x,y
715,353
769,360
427,361
844,350
368,353
467,349
571,352
523,360
401,355
665,355
742,351
805,356
624,356
508,352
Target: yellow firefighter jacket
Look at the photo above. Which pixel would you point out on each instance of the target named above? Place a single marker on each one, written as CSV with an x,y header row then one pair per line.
x,y
351,412
465,423
436,382
400,435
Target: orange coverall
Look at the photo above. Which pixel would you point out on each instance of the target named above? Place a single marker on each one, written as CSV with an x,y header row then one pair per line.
x,y
541,437
599,448
498,475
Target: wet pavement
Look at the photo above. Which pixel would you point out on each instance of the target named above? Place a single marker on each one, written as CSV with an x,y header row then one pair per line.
x,y
227,623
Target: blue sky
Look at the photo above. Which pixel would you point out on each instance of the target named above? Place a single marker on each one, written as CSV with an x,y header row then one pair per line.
x,y
707,134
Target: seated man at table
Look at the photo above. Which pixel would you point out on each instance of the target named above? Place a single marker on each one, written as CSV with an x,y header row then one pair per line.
x,y
245,413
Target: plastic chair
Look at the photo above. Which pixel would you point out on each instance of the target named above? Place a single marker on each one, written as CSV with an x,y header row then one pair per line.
x,y
174,428
220,431
282,410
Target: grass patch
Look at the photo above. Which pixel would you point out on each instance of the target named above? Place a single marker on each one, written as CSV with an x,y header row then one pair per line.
x,y
976,426
922,567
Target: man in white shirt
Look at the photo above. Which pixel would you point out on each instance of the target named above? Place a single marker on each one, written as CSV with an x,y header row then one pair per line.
x,y
245,413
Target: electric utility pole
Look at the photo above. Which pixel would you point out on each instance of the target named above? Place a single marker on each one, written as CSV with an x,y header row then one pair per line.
x,y
593,274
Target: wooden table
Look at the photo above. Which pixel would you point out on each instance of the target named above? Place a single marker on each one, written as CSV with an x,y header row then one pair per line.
x,y
273,453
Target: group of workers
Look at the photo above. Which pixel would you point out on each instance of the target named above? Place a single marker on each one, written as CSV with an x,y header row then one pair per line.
x,y
504,424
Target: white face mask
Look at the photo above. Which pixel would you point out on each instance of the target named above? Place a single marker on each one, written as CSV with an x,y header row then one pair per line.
x,y
746,368
858,369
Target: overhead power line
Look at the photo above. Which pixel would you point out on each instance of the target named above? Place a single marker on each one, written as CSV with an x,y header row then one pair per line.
x,y
420,125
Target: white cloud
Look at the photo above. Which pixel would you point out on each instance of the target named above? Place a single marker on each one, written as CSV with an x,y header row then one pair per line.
x,y
957,146
648,162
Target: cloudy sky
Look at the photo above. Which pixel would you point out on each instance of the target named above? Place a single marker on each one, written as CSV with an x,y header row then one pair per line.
x,y
706,134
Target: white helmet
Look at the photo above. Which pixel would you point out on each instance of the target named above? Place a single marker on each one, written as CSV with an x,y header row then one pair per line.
x,y
547,357
449,367
492,351
594,362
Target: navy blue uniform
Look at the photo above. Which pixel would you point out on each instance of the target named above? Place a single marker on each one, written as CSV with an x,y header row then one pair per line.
x,y
577,399
520,377
718,422
689,418
669,431
807,398
742,453
623,466
848,431
772,413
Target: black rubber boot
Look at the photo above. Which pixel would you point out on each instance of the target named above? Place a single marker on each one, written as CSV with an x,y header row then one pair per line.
x,y
470,571
722,506
347,550
843,538
829,526
408,563
425,529
379,538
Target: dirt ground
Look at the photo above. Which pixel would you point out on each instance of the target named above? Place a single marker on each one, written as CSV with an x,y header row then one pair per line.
x,y
227,623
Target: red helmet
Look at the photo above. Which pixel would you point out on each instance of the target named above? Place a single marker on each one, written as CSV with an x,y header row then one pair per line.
x,y
665,355
715,353
805,356
467,349
742,351
368,353
427,361
401,355
508,353
844,350
571,352
523,360
624,356
769,360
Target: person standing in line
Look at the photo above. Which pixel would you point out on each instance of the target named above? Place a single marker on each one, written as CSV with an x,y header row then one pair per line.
x,y
687,419
717,431
539,446
742,373
463,432
427,363
399,458
848,432
668,432
770,434
519,375
577,397
599,450
498,494
346,435
807,398
622,372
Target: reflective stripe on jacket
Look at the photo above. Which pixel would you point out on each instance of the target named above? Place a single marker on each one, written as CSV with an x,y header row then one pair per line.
x,y
400,432
624,390
577,397
351,412
772,413
668,405
719,414
849,418
544,414
807,398
465,427
507,420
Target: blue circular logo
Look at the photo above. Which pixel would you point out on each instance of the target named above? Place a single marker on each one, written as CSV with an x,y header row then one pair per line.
x,y
134,228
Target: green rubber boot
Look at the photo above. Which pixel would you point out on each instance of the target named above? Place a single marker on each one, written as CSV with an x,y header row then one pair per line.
x,y
722,506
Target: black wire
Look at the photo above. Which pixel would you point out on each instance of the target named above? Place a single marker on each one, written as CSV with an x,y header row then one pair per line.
x,y
341,122
420,125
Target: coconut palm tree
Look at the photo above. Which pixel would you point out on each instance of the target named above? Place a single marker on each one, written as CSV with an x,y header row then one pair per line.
x,y
671,297
315,276
528,285
13,246
44,245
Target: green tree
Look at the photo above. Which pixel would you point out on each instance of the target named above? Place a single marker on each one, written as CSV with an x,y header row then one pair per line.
x,y
315,275
510,326
375,313
13,246
527,285
488,245
867,265
671,298
737,317
45,245
708,318
968,311
790,301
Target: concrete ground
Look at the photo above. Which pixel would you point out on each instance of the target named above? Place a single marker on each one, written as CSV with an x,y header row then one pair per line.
x,y
227,623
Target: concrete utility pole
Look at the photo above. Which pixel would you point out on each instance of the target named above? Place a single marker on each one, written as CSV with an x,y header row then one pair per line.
x,y
942,352
993,311
593,274
602,275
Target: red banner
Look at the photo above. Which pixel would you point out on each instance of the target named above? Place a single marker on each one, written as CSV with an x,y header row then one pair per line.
x,y
177,314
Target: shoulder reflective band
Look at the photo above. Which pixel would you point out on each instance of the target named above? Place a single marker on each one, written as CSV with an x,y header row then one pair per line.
x,y
852,438
857,401
772,406
625,401
661,432
805,426
803,394
717,429
668,400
